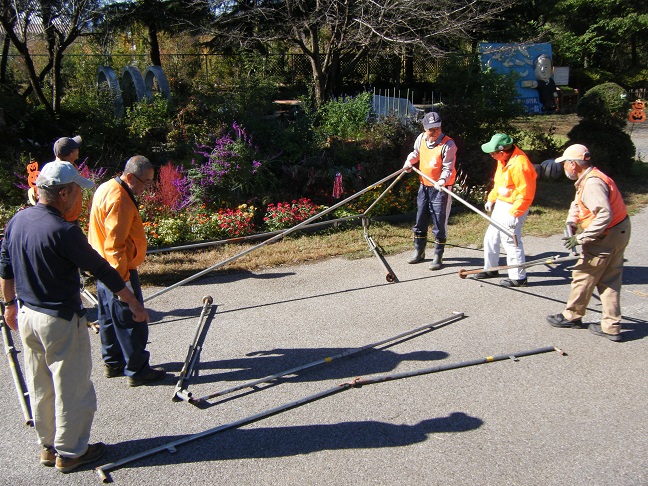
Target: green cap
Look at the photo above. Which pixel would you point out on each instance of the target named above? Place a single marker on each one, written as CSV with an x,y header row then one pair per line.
x,y
500,141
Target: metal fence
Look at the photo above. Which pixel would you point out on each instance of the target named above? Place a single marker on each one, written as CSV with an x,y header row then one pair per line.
x,y
224,70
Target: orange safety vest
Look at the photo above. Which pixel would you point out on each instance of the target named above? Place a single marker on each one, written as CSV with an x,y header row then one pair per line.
x,y
619,211
431,162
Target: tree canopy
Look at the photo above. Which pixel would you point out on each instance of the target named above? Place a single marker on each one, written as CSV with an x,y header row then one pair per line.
x,y
335,34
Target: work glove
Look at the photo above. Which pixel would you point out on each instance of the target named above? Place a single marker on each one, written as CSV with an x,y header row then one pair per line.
x,y
488,206
570,242
511,222
439,184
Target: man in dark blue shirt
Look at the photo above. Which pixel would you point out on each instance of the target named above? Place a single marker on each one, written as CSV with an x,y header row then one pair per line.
x,y
39,269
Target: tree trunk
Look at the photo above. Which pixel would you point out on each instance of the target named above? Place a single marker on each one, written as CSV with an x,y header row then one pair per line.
x,y
5,59
57,81
154,45
409,66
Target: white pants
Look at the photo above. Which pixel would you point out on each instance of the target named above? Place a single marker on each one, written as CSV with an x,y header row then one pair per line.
x,y
57,370
494,237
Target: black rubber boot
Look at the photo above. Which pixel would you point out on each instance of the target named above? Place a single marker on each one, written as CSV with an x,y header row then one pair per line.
x,y
419,249
437,260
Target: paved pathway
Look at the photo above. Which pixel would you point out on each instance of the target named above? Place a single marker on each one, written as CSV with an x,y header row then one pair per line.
x,y
545,419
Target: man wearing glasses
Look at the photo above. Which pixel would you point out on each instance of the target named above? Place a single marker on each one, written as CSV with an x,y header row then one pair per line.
x,y
601,213
116,231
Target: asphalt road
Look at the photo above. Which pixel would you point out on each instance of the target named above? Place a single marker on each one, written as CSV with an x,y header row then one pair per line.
x,y
549,419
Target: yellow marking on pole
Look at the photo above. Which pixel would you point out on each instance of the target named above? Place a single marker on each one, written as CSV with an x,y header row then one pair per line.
x,y
489,359
328,359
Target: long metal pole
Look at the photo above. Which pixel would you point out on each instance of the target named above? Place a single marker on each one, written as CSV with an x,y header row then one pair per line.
x,y
240,239
540,261
102,471
371,206
19,383
328,359
273,239
180,391
468,205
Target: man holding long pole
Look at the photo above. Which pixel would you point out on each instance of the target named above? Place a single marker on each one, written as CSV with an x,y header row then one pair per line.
x,y
599,209
435,153
509,200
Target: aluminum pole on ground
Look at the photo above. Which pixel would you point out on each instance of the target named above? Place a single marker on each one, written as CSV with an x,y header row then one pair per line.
x,y
328,359
102,471
193,355
463,273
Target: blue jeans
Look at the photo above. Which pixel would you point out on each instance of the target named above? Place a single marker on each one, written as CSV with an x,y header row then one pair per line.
x,y
435,206
123,341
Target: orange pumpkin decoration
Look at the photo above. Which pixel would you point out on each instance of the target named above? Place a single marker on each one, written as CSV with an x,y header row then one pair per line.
x,y
638,115
32,174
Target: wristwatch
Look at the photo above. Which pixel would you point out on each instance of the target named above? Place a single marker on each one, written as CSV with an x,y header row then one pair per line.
x,y
9,303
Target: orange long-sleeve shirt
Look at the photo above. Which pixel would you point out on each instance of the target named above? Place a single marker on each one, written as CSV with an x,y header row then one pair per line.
x,y
115,229
515,183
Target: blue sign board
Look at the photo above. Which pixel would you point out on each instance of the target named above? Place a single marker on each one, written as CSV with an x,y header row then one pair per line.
x,y
521,59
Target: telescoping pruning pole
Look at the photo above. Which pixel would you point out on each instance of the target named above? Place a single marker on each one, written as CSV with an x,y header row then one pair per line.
x,y
456,316
504,230
102,471
274,238
540,261
193,355
19,382
373,247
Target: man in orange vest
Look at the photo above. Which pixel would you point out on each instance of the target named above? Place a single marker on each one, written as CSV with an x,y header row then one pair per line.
x,y
599,209
435,153
67,150
509,200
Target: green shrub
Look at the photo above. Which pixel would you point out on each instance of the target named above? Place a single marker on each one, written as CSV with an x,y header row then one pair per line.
x,y
611,148
346,117
148,121
606,104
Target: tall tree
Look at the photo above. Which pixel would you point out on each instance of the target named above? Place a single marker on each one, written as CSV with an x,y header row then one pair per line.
x,y
60,23
156,16
606,34
336,34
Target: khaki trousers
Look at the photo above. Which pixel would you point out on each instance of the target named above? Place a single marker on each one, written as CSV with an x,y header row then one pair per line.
x,y
57,371
600,268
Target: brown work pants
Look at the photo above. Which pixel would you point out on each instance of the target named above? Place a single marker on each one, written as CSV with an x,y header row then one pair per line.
x,y
600,268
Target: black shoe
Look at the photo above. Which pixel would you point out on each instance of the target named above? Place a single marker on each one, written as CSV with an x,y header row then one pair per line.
x,y
153,375
508,282
113,371
558,320
485,275
596,329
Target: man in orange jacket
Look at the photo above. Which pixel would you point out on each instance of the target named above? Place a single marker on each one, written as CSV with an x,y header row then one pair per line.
x,y
602,214
116,231
509,200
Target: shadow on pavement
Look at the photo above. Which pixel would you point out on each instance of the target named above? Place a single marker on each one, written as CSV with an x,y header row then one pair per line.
x,y
291,441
